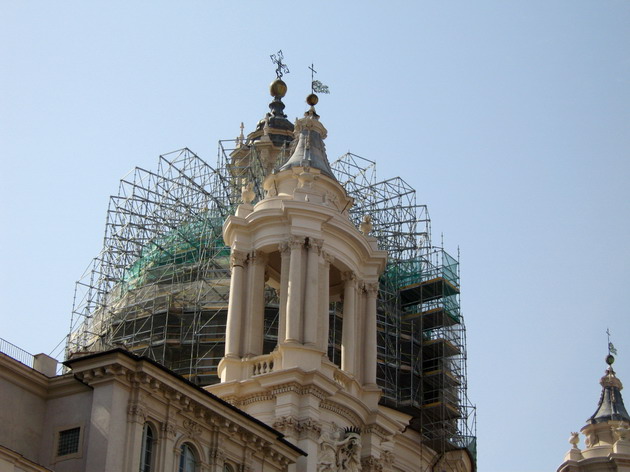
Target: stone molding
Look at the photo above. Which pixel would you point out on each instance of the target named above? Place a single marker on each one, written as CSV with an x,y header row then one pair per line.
x,y
258,397
299,389
378,431
342,411
306,428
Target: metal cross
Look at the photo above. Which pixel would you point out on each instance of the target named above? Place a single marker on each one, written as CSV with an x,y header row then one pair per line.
x,y
282,68
313,72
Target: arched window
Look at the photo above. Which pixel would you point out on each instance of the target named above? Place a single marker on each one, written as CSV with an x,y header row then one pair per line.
x,y
228,467
146,454
187,459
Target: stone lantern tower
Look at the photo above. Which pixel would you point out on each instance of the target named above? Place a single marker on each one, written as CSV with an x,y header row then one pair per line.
x,y
607,432
300,240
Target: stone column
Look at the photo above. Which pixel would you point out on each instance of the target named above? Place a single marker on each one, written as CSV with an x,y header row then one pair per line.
x,y
294,292
311,292
285,254
348,333
324,301
238,260
369,343
253,326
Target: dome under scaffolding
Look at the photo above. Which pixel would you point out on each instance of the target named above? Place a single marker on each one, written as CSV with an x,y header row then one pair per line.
x,y
160,286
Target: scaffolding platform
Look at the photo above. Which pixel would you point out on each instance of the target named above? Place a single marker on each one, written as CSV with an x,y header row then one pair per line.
x,y
434,318
427,290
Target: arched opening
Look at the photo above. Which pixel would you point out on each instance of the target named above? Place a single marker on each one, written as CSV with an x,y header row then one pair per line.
x,y
187,458
146,453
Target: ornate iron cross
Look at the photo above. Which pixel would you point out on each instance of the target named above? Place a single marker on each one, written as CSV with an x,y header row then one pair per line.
x,y
281,68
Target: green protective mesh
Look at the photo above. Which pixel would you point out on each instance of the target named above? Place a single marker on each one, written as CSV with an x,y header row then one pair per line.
x,y
190,243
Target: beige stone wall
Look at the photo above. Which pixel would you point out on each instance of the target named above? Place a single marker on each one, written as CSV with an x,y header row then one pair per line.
x,y
111,396
23,409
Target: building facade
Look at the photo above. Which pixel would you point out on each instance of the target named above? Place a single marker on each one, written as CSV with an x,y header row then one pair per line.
x,y
114,411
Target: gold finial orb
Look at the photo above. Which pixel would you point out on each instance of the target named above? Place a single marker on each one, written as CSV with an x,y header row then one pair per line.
x,y
312,99
278,88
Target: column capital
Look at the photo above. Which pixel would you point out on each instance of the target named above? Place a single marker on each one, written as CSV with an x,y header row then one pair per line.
x,y
296,242
258,257
328,257
238,258
284,248
371,288
316,244
348,276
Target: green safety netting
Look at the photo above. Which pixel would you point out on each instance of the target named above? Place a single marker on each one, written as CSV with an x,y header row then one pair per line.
x,y
407,272
190,243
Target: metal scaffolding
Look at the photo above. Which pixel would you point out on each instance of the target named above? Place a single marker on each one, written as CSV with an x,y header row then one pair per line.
x,y
160,286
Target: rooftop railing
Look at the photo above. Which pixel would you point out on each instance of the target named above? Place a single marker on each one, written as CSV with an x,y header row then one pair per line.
x,y
16,353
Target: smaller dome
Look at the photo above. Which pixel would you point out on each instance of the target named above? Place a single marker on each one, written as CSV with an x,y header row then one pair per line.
x,y
610,407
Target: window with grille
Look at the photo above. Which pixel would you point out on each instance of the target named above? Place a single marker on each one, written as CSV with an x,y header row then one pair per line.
x,y
68,442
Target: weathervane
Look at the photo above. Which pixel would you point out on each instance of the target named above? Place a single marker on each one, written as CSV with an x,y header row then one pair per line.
x,y
282,68
316,85
611,350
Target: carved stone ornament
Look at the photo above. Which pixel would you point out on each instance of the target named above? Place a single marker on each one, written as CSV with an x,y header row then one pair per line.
x,y
192,428
366,225
574,440
371,464
169,430
387,458
371,289
217,455
622,433
331,200
238,258
316,244
340,452
137,413
284,248
296,242
328,258
591,439
285,423
348,276
247,192
258,257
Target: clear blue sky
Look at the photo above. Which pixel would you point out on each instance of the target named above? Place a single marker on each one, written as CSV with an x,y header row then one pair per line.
x,y
511,119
